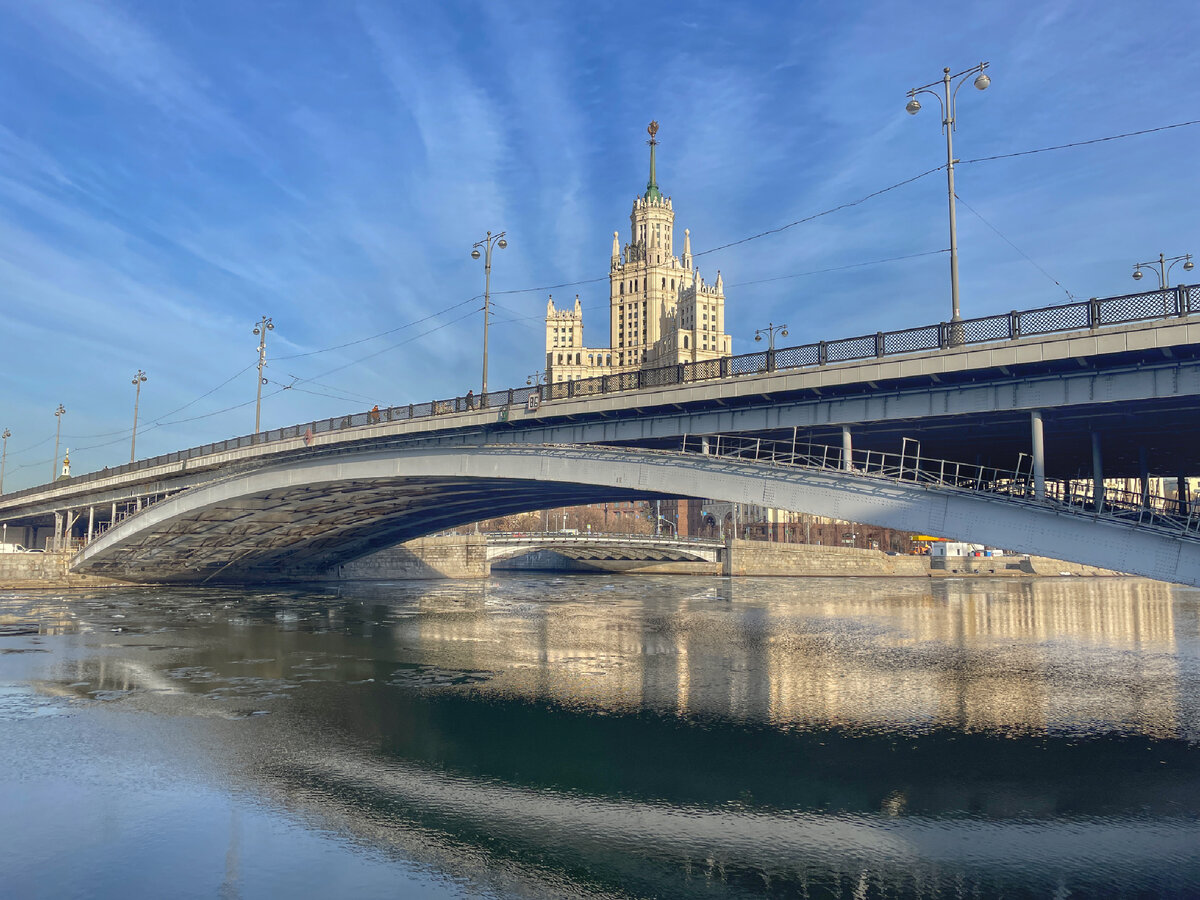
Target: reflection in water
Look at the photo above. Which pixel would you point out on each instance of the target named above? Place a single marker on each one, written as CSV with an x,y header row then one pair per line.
x,y
675,737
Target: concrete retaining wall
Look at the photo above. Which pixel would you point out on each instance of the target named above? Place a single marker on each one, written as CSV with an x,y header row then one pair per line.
x,y
30,571
759,558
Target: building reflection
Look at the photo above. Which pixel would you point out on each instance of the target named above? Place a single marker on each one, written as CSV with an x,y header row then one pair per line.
x,y
1027,656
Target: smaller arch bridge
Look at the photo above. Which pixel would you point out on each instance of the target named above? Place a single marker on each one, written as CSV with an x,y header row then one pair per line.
x,y
297,517
657,548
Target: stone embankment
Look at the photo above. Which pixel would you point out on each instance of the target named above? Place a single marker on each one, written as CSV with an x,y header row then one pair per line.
x,y
465,556
29,571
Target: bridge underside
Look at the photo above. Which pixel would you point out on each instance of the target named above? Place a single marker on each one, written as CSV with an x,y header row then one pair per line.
x,y
302,531
300,518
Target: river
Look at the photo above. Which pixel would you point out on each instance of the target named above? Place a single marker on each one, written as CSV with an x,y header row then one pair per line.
x,y
593,736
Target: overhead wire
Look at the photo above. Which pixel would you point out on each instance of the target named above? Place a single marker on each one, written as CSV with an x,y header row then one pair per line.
x,y
1099,140
1002,237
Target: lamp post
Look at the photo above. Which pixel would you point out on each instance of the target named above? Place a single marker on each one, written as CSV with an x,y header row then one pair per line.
x,y
492,240
770,331
58,414
261,329
4,457
536,378
949,103
138,380
1165,265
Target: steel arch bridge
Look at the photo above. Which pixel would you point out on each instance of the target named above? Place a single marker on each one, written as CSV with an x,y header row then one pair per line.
x,y
297,517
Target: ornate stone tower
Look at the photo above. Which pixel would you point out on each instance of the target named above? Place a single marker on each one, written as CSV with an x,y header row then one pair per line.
x,y
660,310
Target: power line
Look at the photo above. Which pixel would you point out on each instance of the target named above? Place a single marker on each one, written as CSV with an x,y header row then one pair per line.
x,y
382,333
1014,246
1100,140
847,205
858,265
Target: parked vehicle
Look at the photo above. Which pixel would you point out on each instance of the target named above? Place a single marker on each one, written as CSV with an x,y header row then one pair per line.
x,y
12,548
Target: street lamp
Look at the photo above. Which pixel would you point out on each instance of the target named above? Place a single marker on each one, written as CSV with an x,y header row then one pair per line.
x,y
536,378
492,240
264,325
949,103
770,331
138,380
1165,265
4,457
58,414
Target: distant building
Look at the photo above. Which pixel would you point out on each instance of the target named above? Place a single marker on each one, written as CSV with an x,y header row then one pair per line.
x,y
661,312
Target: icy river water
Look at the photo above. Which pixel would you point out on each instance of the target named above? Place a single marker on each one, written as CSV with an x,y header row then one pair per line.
x,y
594,736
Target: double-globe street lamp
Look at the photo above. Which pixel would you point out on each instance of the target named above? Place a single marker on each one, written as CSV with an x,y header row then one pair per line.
x,y
949,103
138,380
770,331
492,240
1164,266
264,325
58,414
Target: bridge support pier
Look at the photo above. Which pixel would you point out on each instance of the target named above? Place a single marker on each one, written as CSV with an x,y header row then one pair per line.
x,y
1097,473
1144,473
847,449
91,522
1038,440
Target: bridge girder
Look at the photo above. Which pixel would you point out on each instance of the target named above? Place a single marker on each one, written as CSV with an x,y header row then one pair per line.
x,y
262,525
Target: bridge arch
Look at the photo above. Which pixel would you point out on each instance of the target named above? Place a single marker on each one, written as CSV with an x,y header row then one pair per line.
x,y
298,517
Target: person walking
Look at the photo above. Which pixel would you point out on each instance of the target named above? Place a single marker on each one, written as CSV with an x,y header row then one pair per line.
x,y
471,399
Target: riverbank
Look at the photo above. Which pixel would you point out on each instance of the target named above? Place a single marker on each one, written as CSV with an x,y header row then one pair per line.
x,y
465,557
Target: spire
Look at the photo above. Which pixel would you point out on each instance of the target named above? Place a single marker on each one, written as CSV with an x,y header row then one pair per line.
x,y
616,255
652,191
719,285
687,248
550,305
578,307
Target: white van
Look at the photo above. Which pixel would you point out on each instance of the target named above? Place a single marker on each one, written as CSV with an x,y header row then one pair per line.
x,y
12,548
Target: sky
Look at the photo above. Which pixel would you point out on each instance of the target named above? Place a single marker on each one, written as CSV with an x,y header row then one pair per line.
x,y
173,171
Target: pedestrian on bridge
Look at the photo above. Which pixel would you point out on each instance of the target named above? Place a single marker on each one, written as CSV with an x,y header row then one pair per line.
x,y
471,399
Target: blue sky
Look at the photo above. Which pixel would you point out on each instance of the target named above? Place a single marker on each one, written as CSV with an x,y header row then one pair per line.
x,y
172,171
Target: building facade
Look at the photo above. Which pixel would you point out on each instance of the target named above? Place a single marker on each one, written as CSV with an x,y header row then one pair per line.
x,y
661,311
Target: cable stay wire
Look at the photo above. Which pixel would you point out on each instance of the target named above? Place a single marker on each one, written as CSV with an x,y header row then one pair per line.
x,y
1028,258
1099,140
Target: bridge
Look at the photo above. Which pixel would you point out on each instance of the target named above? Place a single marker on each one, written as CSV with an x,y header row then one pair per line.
x,y
663,548
1002,430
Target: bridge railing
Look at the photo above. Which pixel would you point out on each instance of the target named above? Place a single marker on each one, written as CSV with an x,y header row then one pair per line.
x,y
1075,495
594,536
1089,314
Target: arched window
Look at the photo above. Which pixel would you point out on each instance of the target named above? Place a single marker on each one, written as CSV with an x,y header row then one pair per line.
x,y
622,289
685,342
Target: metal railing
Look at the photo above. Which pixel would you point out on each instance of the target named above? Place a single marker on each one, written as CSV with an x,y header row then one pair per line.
x,y
1179,518
1149,306
596,537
